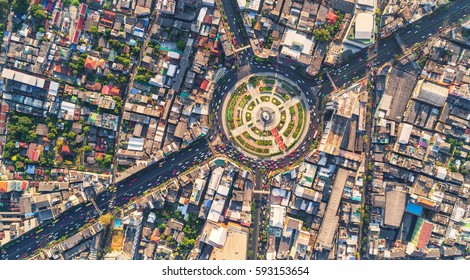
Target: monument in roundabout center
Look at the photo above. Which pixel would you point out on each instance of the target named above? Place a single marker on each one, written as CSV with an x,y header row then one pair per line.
x,y
265,116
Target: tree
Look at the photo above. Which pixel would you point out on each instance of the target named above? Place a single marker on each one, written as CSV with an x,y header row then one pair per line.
x,y
21,6
87,148
75,3
40,14
106,219
108,159
3,8
463,170
99,160
180,44
135,50
67,2
162,227
32,136
107,32
37,11
93,30
118,106
322,35
71,135
453,167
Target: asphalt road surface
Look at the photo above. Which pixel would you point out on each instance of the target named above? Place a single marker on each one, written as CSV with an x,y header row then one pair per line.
x,y
154,175
73,219
318,86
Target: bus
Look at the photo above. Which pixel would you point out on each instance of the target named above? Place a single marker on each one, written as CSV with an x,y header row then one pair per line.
x,y
315,135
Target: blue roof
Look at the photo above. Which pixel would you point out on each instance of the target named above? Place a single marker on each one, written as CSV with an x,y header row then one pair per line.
x,y
414,209
207,203
30,169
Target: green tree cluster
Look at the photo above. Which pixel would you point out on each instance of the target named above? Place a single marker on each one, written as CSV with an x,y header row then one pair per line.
x,y
37,12
322,35
180,44
20,6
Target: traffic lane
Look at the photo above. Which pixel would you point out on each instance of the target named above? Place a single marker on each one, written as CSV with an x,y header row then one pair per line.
x,y
408,37
232,20
137,190
289,73
149,172
64,225
435,17
72,222
61,227
178,165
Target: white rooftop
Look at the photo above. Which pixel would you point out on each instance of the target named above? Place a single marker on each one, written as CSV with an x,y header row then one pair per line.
x,y
277,216
364,26
405,134
23,78
135,144
218,236
295,43
368,3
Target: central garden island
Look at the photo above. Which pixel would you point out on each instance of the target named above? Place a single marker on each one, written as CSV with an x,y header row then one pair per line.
x,y
265,115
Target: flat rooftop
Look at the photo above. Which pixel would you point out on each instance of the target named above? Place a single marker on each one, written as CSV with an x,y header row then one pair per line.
x,y
399,87
330,220
236,244
394,207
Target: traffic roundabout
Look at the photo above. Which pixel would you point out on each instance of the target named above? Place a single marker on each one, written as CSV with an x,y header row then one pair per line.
x,y
265,116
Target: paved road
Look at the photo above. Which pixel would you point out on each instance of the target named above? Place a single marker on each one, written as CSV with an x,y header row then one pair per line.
x,y
75,218
127,90
155,175
318,86
256,219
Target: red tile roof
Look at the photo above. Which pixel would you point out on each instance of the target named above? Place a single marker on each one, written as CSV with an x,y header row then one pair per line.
x,y
115,91
331,18
425,235
90,63
106,22
83,9
204,85
80,22
105,90
76,35
65,150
